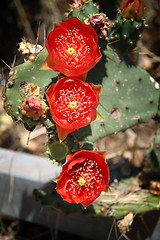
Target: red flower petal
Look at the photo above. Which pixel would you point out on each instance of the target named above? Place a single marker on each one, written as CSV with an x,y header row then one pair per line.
x,y
84,176
72,47
72,104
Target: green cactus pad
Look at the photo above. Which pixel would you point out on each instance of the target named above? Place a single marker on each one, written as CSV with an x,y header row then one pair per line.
x,y
153,153
57,151
116,204
28,72
128,97
84,11
125,34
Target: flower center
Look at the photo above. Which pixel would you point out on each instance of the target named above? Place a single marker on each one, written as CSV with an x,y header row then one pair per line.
x,y
72,105
70,51
81,181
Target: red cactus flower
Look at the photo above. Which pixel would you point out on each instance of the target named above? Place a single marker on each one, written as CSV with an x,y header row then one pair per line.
x,y
133,9
84,176
72,104
72,48
33,107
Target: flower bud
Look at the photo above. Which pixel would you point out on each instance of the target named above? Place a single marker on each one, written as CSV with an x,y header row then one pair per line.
x,y
133,9
33,107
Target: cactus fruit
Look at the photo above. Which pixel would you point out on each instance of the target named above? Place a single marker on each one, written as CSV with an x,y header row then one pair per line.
x,y
57,150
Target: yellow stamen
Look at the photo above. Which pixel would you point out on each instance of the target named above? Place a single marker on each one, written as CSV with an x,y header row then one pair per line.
x,y
81,181
70,51
72,105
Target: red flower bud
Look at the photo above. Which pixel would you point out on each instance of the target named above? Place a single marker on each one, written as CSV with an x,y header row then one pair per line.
x,y
84,176
72,48
33,107
72,104
132,9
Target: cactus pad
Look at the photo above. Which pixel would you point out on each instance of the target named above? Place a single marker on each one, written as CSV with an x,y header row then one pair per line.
x,y
125,34
128,97
84,11
117,203
26,73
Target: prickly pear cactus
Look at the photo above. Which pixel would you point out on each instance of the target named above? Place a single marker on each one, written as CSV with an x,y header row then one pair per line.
x,y
115,204
128,97
128,94
26,81
153,153
125,33
84,10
